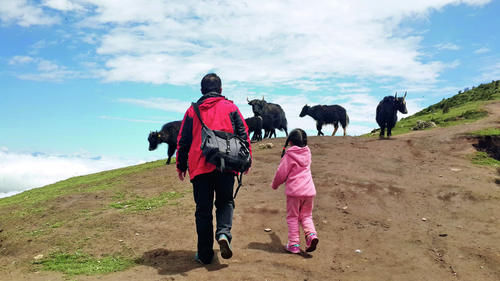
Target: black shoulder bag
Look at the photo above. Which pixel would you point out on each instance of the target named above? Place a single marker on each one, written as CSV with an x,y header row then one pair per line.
x,y
228,152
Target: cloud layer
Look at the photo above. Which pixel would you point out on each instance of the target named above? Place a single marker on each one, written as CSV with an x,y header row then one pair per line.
x,y
23,171
291,42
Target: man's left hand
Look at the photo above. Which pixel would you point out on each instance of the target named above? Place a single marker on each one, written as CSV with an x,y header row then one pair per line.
x,y
181,174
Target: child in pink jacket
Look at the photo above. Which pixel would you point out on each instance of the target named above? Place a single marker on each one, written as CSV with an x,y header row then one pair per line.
x,y
295,171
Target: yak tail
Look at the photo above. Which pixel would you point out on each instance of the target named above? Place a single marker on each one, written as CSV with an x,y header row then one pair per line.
x,y
346,119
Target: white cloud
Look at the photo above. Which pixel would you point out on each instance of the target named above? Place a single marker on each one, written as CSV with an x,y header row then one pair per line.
x,y
482,50
20,60
413,105
25,14
172,105
284,42
259,42
22,171
352,88
129,119
62,5
356,130
447,46
45,70
489,73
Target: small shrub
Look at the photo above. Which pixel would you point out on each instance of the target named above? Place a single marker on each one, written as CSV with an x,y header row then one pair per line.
x,y
473,114
446,108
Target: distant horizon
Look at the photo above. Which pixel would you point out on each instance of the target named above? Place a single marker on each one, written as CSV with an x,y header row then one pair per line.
x,y
84,82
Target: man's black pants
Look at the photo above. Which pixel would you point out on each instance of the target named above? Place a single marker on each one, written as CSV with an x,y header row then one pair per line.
x,y
204,186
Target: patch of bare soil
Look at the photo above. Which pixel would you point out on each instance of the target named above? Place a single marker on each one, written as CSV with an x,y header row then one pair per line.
x,y
414,206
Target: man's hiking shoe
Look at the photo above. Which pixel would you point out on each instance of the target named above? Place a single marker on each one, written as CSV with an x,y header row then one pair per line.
x,y
311,242
225,247
293,248
198,260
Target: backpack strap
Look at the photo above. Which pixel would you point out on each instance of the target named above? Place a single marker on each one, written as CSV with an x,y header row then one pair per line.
x,y
197,111
240,182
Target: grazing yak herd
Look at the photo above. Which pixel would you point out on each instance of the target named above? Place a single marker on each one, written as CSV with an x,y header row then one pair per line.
x,y
271,117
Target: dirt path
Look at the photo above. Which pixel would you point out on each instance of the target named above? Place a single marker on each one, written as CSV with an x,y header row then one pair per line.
x,y
373,195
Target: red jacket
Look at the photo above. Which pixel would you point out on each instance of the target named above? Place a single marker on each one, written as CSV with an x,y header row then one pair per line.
x,y
217,113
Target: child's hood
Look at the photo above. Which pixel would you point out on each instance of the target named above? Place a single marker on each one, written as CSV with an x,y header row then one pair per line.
x,y
301,155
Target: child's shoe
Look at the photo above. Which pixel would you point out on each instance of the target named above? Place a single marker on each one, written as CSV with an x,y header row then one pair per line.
x,y
311,242
293,248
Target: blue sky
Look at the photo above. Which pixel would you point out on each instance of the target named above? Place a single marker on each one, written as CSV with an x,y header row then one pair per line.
x,y
84,81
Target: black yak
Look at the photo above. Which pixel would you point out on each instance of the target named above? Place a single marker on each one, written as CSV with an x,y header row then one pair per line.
x,y
168,135
327,114
255,125
268,126
275,112
387,110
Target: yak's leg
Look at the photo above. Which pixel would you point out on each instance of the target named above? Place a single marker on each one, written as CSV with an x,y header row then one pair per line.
x,y
336,127
273,132
343,127
389,133
255,136
171,150
382,132
319,125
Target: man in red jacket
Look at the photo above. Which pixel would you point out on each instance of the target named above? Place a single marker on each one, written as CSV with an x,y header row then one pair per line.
x,y
220,114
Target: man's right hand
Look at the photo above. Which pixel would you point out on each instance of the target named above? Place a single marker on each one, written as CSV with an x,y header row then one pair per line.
x,y
181,174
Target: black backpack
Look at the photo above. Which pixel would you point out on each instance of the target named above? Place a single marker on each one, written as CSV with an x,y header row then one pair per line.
x,y
228,152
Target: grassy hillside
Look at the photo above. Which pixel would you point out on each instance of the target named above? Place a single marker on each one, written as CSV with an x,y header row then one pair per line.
x,y
32,200
67,226
462,108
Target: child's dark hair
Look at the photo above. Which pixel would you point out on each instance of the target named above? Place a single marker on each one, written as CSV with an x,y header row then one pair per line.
x,y
298,137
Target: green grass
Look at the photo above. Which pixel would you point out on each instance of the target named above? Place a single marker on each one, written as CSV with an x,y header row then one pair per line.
x,y
55,225
465,107
482,158
80,263
486,132
145,204
38,232
483,92
466,113
81,184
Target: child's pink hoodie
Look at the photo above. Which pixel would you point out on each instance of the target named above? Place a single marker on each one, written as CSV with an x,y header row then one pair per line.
x,y
295,170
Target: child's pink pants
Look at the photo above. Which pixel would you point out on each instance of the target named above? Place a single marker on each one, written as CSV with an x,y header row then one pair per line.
x,y
299,211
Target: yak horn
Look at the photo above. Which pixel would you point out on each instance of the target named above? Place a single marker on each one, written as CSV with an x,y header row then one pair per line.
x,y
396,95
262,97
404,95
248,100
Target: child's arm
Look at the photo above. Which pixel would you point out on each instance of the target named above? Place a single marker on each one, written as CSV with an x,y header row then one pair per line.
x,y
281,173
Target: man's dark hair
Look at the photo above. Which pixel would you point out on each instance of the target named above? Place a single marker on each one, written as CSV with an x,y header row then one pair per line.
x,y
211,83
